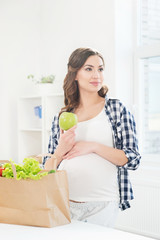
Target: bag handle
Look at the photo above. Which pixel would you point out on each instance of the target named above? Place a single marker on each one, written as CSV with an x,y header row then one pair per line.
x,y
13,167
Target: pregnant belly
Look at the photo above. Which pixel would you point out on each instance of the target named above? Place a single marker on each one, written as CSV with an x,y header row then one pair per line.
x,y
91,177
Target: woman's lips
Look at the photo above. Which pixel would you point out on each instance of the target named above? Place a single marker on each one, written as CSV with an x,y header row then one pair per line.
x,y
95,83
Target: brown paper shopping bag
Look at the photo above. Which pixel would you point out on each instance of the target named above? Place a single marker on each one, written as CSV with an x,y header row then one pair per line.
x,y
43,202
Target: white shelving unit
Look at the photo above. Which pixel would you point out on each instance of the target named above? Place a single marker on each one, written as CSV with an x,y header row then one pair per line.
x,y
33,131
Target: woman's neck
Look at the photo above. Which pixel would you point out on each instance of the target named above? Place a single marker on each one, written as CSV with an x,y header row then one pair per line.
x,y
90,105
89,99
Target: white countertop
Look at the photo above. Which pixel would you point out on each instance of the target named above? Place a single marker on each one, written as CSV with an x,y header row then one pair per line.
x,y
75,230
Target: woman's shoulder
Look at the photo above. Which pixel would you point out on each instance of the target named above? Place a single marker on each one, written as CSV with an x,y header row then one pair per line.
x,y
56,117
116,108
55,121
114,103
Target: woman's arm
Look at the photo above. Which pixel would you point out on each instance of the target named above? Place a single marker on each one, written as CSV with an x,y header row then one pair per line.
x,y
65,144
50,163
115,156
111,154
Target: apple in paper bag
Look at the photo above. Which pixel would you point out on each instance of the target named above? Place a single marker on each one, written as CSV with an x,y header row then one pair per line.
x,y
67,120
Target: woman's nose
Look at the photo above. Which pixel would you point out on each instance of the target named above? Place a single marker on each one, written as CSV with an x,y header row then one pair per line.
x,y
95,74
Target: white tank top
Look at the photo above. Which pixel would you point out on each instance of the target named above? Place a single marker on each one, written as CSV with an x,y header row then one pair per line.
x,y
91,177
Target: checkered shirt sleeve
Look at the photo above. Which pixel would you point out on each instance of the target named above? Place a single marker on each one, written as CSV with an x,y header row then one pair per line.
x,y
124,128
54,136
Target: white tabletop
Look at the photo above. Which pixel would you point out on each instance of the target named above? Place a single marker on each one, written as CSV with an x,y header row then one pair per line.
x,y
75,230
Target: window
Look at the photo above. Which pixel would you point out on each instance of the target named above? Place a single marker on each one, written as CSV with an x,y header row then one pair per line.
x,y
149,23
150,112
147,78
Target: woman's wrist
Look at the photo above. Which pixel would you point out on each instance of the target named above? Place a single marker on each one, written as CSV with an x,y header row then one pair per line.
x,y
95,147
53,161
58,156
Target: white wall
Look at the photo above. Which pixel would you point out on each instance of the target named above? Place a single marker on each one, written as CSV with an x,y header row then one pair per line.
x,y
67,25
38,37
19,55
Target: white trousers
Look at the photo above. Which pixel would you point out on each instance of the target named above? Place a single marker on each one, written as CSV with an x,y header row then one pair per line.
x,y
101,213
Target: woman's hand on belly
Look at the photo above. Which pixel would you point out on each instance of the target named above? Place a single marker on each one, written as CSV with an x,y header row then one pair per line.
x,y
113,155
80,148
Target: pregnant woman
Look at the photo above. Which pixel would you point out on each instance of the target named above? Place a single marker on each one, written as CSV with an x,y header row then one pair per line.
x,y
98,152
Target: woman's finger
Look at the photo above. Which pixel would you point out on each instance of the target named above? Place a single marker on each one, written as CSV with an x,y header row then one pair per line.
x,y
72,128
69,130
61,131
67,156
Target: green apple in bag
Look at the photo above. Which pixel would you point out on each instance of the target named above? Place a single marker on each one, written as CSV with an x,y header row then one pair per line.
x,y
67,120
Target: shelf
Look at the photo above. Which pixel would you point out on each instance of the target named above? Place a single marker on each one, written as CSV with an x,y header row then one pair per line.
x,y
41,96
34,132
31,130
30,97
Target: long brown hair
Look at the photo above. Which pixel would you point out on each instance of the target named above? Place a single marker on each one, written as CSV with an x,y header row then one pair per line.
x,y
70,86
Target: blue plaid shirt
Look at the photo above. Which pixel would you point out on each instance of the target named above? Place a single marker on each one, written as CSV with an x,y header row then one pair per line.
x,y
124,138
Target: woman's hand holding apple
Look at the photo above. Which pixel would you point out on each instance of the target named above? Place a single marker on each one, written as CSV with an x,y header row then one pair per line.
x,y
67,123
66,142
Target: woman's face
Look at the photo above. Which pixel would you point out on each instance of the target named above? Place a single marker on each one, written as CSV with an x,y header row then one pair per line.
x,y
90,75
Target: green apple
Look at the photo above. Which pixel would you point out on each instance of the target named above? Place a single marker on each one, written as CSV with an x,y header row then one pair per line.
x,y
67,120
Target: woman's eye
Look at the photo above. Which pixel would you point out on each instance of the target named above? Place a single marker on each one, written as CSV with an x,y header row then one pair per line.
x,y
88,69
101,69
